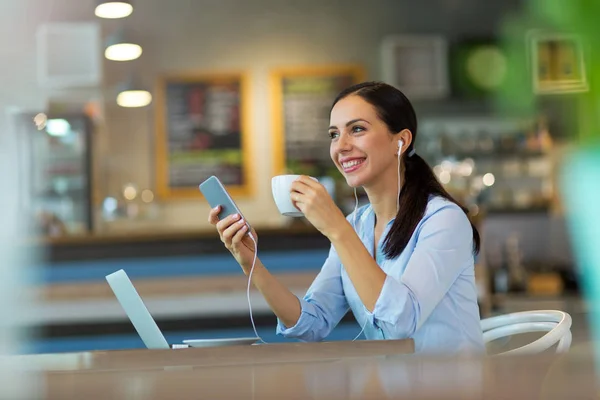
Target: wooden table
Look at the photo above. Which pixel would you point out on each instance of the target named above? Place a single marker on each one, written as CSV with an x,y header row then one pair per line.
x,y
238,355
334,370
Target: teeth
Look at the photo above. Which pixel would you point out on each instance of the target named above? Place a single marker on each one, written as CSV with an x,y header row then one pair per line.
x,y
350,164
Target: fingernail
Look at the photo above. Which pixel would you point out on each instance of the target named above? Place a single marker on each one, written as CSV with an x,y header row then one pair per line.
x,y
241,221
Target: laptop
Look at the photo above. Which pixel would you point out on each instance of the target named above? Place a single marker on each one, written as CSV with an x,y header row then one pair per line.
x,y
136,310
145,325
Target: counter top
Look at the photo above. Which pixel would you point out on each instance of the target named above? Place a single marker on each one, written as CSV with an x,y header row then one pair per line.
x,y
174,235
328,370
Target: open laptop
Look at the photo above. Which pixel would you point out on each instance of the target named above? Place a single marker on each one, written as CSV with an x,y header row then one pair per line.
x,y
136,310
145,325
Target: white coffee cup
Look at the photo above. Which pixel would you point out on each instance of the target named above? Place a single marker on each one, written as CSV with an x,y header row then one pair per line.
x,y
281,185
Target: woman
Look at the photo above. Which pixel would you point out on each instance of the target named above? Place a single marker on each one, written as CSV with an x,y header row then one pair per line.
x,y
403,263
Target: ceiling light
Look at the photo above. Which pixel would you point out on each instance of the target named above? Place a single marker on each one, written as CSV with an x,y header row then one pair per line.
x,y
123,52
58,127
119,48
113,9
132,94
134,98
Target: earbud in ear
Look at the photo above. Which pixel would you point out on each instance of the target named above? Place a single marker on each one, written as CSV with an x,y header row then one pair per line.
x,y
400,144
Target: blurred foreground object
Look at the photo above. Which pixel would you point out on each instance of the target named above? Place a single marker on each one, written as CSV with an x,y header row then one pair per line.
x,y
15,269
581,190
550,45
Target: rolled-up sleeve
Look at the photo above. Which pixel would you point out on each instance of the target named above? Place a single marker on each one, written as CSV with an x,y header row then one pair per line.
x,y
323,306
443,250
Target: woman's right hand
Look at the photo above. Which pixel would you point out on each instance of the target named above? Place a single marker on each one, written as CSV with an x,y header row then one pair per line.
x,y
232,231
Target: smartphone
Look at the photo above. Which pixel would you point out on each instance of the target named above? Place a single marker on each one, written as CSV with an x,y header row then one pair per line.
x,y
215,193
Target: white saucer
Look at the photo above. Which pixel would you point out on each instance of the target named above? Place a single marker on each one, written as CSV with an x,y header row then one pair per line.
x,y
220,342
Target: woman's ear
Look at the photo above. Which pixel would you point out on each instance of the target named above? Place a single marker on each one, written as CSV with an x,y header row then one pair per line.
x,y
406,136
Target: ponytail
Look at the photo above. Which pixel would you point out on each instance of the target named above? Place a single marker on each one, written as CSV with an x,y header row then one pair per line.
x,y
419,184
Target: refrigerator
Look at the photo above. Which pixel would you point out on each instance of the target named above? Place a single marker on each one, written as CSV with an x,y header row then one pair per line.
x,y
56,164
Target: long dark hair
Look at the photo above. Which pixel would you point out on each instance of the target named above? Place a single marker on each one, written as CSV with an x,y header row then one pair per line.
x,y
394,108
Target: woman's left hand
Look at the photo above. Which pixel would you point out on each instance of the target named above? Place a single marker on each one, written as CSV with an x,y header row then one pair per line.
x,y
311,197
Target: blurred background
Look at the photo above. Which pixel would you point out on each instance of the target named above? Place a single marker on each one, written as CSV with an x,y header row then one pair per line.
x,y
113,113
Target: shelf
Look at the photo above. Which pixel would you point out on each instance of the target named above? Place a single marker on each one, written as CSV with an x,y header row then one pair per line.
x,y
497,155
514,210
506,154
69,193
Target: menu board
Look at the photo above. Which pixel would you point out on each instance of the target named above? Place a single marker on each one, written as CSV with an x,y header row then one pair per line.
x,y
302,100
201,131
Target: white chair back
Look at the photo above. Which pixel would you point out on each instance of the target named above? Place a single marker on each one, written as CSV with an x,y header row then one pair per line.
x,y
557,324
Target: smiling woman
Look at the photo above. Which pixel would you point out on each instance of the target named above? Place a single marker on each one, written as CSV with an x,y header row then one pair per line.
x,y
376,118
404,263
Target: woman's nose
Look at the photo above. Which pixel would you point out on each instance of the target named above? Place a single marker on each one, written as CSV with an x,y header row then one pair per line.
x,y
344,144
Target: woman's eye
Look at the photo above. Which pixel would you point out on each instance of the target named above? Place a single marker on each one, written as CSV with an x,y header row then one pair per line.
x,y
357,128
333,135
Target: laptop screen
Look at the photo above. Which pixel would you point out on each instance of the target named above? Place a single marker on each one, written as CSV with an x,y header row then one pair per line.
x,y
136,310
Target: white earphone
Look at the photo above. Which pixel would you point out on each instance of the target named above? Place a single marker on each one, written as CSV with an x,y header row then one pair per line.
x,y
400,145
398,153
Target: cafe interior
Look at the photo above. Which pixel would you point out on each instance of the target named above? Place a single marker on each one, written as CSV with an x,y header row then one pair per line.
x,y
113,114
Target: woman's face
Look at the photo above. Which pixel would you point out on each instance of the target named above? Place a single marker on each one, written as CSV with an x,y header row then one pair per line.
x,y
362,146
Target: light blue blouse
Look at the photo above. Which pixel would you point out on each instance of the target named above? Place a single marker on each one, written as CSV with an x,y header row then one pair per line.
x,y
429,293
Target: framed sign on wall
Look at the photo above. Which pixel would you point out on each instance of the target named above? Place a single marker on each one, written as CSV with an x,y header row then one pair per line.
x,y
416,64
202,130
301,99
558,62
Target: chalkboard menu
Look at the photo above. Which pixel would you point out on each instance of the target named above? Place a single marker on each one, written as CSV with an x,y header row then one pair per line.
x,y
302,100
201,131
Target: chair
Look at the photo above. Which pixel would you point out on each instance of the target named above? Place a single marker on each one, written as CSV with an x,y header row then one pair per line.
x,y
557,324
